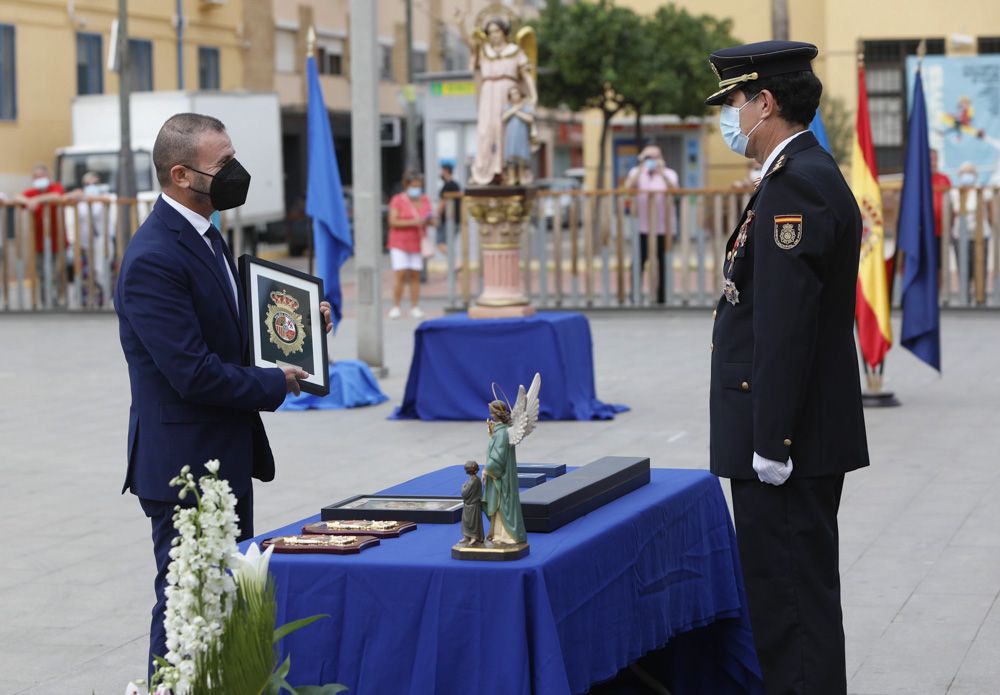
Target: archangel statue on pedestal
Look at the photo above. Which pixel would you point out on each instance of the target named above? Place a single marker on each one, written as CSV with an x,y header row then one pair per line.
x,y
505,94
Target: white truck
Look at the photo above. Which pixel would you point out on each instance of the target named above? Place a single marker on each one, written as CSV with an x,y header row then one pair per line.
x,y
252,119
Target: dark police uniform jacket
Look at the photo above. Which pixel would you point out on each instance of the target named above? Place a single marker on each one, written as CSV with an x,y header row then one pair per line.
x,y
785,379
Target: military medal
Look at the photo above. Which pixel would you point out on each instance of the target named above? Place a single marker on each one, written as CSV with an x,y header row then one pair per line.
x,y
741,239
730,292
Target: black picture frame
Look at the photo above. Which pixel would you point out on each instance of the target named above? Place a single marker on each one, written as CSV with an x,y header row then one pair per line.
x,y
286,326
348,509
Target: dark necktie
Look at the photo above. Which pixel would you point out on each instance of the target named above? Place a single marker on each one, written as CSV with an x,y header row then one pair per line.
x,y
222,258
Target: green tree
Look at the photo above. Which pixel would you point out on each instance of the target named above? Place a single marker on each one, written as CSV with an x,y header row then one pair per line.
x,y
839,123
586,51
675,77
598,55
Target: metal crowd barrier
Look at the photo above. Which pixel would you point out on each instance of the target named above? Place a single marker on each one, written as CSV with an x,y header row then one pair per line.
x,y
582,249
71,260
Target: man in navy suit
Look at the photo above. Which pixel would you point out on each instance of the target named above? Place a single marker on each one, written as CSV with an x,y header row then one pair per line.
x,y
183,328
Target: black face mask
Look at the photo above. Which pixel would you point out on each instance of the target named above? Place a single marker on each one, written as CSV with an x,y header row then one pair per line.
x,y
229,185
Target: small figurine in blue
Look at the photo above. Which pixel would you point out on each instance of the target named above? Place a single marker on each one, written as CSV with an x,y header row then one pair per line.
x,y
519,126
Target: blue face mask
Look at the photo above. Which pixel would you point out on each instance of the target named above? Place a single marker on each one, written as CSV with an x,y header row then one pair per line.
x,y
729,126
414,191
650,164
967,180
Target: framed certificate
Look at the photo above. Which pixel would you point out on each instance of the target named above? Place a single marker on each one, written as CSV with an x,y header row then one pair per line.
x,y
286,326
418,508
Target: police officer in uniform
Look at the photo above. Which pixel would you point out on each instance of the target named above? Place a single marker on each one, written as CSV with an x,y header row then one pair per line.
x,y
786,417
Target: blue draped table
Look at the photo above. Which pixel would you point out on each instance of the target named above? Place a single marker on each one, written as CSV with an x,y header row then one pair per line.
x,y
655,572
456,359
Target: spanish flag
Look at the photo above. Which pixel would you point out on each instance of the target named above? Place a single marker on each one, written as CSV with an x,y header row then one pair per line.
x,y
872,309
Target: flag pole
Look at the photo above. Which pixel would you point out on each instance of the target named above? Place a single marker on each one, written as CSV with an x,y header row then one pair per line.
x,y
311,53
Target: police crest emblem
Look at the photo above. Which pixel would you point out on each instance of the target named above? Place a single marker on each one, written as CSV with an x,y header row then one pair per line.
x,y
787,231
285,327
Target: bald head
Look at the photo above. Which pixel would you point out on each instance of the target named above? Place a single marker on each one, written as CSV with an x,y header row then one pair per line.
x,y
178,141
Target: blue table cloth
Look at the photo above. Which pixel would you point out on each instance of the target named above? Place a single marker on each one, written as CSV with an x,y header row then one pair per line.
x,y
456,359
352,385
657,569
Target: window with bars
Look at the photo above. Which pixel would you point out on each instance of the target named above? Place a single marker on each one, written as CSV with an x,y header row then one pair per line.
x,y
8,73
885,78
208,67
454,51
140,68
89,64
989,44
385,62
419,58
330,57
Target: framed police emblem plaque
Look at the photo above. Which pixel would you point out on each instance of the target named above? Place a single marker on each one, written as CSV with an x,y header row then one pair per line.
x,y
286,326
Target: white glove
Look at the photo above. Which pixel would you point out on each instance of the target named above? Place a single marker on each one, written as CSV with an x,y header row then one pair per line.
x,y
771,472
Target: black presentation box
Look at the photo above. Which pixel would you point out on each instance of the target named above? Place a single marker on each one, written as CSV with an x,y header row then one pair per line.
x,y
551,470
526,480
568,497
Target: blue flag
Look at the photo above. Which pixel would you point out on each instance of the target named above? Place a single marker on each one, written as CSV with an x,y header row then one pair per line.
x,y
325,198
921,332
819,130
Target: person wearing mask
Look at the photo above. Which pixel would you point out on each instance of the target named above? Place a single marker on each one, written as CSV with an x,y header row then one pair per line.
x,y
409,214
964,200
653,178
785,394
448,185
43,193
184,330
88,234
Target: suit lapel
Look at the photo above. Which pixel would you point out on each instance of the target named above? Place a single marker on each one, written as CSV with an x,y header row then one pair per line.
x,y
193,242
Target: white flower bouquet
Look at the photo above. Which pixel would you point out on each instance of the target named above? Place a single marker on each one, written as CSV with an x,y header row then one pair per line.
x,y
221,636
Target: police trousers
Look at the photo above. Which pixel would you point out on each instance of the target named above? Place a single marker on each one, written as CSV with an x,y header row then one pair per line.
x,y
789,550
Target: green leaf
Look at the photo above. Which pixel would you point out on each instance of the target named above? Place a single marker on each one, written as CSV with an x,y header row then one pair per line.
x,y
288,628
283,685
276,683
328,689
285,667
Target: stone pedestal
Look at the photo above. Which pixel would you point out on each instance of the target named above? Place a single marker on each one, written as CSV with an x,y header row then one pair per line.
x,y
502,213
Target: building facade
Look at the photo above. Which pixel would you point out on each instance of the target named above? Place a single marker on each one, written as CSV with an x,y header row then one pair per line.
x,y
884,33
52,51
443,91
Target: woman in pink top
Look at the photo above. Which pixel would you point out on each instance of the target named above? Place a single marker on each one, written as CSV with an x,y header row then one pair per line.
x,y
409,213
653,178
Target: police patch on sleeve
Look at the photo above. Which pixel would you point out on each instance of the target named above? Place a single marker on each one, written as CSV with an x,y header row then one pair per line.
x,y
787,231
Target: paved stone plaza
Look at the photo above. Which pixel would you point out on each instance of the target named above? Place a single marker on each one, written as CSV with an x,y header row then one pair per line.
x,y
920,528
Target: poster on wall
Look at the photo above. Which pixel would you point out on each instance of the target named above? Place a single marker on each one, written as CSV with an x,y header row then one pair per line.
x,y
963,112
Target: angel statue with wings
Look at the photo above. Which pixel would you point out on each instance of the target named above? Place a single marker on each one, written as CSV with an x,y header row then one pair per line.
x,y
498,64
508,428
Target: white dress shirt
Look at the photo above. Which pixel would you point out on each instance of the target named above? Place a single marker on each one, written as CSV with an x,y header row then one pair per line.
x,y
201,225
